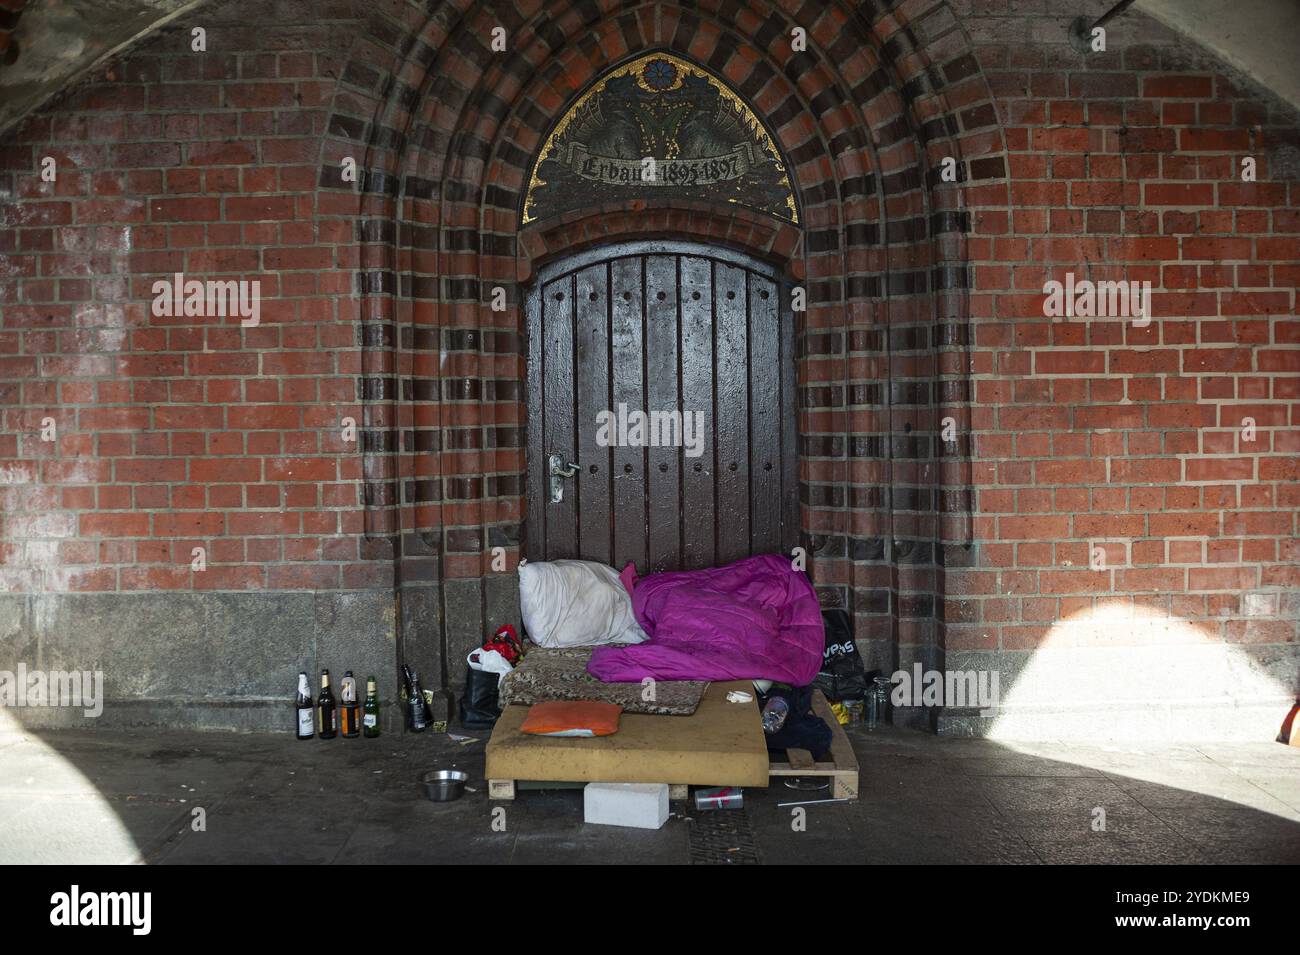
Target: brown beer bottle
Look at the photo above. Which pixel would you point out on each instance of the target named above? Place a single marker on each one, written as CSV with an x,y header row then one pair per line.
x,y
326,719
350,709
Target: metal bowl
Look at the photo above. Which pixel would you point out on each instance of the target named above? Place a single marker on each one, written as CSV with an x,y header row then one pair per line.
x,y
443,785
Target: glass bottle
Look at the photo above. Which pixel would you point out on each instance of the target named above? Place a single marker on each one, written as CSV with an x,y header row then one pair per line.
x,y
350,709
370,718
306,709
326,726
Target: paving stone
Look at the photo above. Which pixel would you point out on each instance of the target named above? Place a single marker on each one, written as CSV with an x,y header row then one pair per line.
x,y
258,830
1019,794
88,829
1100,849
1235,834
405,828
1284,786
1122,821
1204,790
1018,764
550,822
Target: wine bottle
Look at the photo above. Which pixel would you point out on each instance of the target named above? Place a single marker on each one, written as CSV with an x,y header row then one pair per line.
x,y
306,710
325,709
418,716
370,721
349,709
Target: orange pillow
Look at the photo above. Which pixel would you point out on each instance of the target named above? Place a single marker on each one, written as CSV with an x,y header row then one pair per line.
x,y
572,718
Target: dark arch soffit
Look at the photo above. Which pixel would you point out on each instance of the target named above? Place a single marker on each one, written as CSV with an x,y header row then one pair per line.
x,y
706,143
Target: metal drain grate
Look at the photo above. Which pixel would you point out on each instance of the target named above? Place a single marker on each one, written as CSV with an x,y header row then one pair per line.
x,y
722,837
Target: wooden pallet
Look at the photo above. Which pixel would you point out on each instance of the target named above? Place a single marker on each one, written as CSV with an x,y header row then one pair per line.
x,y
507,789
843,767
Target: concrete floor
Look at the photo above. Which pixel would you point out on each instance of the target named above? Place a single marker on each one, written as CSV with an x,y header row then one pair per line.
x,y
109,797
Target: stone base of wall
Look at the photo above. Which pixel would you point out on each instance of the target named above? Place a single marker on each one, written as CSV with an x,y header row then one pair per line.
x,y
239,716
198,660
231,660
193,660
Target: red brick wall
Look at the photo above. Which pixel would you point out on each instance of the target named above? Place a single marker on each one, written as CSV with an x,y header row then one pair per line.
x,y
926,302
1126,164
174,433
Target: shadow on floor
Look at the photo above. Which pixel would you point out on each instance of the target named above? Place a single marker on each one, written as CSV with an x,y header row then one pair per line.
x,y
73,796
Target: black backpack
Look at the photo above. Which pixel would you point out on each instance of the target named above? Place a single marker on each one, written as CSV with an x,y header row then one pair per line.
x,y
842,675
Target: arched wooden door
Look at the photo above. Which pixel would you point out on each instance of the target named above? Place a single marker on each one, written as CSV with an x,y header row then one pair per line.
x,y
693,343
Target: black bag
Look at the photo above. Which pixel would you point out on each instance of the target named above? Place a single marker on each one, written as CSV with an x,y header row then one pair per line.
x,y
479,707
842,676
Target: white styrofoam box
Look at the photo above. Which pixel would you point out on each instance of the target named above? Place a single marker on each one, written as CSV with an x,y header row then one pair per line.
x,y
638,805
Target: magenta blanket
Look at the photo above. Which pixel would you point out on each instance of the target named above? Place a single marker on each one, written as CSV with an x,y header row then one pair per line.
x,y
756,619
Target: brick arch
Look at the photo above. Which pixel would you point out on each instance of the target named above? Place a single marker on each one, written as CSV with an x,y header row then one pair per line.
x,y
864,115
451,159
578,72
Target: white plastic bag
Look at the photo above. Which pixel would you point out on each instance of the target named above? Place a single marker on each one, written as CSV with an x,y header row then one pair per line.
x,y
490,661
575,603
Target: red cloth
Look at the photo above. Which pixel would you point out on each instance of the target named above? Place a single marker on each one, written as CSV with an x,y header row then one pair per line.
x,y
572,718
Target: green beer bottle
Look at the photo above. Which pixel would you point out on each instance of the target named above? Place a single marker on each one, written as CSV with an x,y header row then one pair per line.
x,y
370,716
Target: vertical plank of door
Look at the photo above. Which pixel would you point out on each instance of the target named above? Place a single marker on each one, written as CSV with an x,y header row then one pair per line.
x,y
730,429
765,415
663,479
789,429
591,392
558,436
535,521
627,304
698,500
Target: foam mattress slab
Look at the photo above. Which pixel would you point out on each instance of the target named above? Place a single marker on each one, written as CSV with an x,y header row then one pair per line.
x,y
720,744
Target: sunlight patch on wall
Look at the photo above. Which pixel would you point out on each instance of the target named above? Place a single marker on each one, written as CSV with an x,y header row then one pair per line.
x,y
1124,671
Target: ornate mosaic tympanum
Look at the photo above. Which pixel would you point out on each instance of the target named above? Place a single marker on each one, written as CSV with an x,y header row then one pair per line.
x,y
703,140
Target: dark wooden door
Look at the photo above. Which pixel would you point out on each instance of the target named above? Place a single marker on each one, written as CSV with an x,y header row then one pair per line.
x,y
660,327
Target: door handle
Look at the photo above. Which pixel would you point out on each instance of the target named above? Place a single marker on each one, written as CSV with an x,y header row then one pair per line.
x,y
559,471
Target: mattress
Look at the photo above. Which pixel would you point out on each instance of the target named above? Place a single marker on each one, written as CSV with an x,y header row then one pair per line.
x,y
721,744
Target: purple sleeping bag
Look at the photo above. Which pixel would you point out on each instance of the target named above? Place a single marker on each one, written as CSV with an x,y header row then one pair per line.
x,y
756,619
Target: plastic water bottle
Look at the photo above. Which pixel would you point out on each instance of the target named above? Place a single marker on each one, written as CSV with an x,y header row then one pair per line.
x,y
878,702
774,713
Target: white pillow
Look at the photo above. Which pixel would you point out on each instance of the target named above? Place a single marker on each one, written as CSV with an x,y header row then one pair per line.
x,y
575,603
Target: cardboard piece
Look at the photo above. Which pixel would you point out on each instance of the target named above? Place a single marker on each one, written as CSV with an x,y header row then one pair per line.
x,y
720,744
